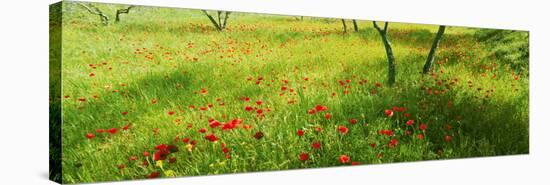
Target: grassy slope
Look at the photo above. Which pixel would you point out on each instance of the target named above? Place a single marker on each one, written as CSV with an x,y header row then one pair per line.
x,y
486,122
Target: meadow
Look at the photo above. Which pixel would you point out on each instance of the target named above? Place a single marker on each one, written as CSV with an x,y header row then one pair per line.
x,y
162,93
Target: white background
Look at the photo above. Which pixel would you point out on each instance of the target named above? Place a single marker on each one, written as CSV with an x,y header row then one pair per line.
x,y
24,91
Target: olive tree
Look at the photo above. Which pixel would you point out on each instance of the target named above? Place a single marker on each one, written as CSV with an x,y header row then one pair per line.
x,y
389,52
431,55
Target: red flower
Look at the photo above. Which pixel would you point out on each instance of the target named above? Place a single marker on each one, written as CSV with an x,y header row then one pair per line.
x,y
126,127
202,130
448,138
355,163
133,158
112,130
122,166
185,140
393,143
316,145
259,135
420,136
304,156
328,116
153,101
170,113
388,113
172,160
99,130
214,124
406,115
320,108
311,111
423,126
81,99
248,108
146,154
410,122
225,150
90,135
211,137
373,145
124,113
344,159
300,132
343,129
353,121
153,175
395,108
259,102
92,74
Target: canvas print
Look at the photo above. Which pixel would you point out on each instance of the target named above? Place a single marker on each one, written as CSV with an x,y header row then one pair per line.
x,y
141,92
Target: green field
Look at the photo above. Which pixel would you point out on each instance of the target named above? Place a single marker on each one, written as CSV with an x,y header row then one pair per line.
x,y
165,76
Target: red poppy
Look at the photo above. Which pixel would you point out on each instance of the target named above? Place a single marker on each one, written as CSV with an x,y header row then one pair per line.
x,y
259,102
92,74
225,150
407,115
410,122
170,113
154,101
112,130
185,140
395,108
388,113
259,135
146,154
304,156
353,121
420,136
81,99
300,132
248,108
373,145
311,111
133,158
316,145
211,137
126,127
90,135
172,160
122,166
214,124
343,129
124,113
393,143
328,116
153,175
320,108
202,130
448,138
344,159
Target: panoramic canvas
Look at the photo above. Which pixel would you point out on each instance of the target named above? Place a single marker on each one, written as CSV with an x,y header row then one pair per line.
x,y
142,92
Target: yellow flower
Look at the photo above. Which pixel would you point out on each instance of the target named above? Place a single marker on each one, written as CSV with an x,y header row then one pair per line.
x,y
159,163
189,147
170,173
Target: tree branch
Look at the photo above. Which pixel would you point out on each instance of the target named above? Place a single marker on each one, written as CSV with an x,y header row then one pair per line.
x,y
96,11
121,11
218,27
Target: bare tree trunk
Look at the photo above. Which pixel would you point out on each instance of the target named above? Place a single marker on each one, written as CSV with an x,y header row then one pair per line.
x,y
225,19
121,11
96,11
345,27
218,27
389,52
355,26
435,44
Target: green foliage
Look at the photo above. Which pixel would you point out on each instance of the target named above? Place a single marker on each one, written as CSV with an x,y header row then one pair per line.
x,y
508,46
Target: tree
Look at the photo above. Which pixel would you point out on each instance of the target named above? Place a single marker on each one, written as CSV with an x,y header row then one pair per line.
x,y
121,11
96,11
389,52
435,44
221,23
345,27
355,26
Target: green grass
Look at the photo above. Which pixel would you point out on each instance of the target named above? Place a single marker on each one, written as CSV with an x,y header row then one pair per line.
x,y
147,56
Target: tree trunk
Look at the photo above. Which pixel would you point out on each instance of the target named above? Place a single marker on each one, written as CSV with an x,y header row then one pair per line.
x,y
389,52
345,27
121,11
355,26
435,44
218,27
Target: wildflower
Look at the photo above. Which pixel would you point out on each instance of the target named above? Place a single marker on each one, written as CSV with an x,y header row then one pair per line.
x,y
259,135
90,135
316,145
304,156
389,113
410,122
343,129
353,121
300,132
344,159
112,130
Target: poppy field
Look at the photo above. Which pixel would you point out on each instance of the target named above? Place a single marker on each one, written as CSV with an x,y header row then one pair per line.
x,y
162,93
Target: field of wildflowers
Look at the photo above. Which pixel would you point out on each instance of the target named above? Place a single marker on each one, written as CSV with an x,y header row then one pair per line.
x,y
162,93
